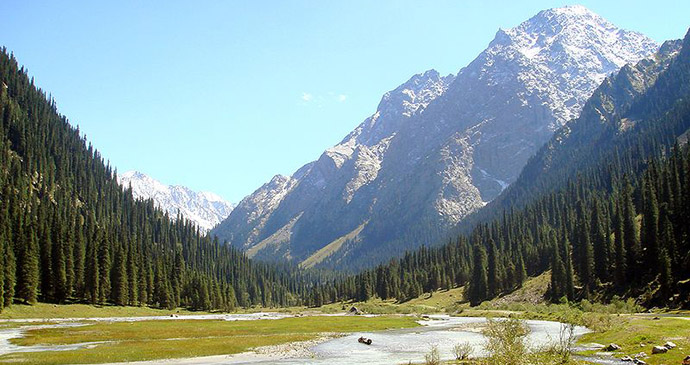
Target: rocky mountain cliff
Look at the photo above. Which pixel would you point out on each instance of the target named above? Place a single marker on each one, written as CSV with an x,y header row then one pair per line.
x,y
437,148
624,112
203,208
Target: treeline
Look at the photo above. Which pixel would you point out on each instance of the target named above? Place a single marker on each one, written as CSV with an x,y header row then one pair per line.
x,y
632,241
70,233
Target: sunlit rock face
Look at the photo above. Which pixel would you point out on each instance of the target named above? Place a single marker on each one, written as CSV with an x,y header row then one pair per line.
x,y
437,148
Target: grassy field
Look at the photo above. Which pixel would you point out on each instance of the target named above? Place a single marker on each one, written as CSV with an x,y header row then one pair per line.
x,y
149,340
48,311
640,333
441,301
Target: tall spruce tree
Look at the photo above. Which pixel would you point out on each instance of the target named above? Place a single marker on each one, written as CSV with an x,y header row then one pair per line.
x,y
650,228
104,265
493,279
478,287
120,284
28,272
630,234
584,250
600,243
620,254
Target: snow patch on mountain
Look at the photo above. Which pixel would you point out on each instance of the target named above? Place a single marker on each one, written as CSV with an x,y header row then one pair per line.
x,y
205,209
565,53
438,148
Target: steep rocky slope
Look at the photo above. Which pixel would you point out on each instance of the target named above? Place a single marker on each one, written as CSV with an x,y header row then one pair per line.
x,y
437,148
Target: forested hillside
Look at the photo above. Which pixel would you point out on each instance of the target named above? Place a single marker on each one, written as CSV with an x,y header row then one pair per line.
x,y
605,205
70,233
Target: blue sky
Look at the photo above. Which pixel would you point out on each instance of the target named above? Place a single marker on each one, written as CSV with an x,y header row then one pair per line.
x,y
222,95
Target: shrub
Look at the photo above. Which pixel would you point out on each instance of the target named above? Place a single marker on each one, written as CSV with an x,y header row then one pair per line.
x,y
561,351
506,342
462,351
433,357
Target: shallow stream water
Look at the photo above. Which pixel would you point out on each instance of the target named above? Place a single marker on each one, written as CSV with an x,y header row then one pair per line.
x,y
6,335
411,344
389,347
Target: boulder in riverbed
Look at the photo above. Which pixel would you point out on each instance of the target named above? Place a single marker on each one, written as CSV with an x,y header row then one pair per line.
x,y
659,350
641,355
612,347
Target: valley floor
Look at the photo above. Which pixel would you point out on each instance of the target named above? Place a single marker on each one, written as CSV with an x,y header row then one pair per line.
x,y
88,341
125,334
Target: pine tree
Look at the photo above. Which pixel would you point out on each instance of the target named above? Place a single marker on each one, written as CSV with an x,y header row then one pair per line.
x,y
132,275
231,301
92,274
150,283
569,276
46,262
120,291
162,292
364,288
104,269
9,264
178,276
619,252
630,234
600,244
79,264
493,280
143,283
2,271
584,249
28,271
558,277
58,269
478,290
666,275
650,228
68,252
520,272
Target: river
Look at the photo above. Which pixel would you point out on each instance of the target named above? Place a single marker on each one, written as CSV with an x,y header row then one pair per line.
x,y
388,347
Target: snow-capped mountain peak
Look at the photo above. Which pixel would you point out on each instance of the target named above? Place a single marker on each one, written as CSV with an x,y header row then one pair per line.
x,y
436,148
563,49
205,209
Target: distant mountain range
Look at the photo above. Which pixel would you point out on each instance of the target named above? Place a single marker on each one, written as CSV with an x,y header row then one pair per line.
x,y
437,148
205,209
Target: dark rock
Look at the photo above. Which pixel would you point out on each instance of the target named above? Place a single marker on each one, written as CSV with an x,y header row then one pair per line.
x,y
669,345
612,347
364,340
